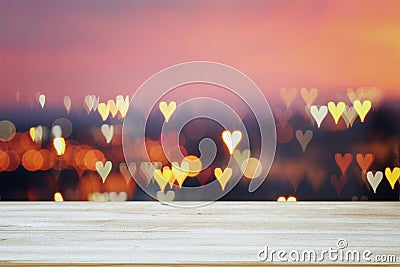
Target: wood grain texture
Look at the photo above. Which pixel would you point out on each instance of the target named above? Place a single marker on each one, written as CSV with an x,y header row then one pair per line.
x,y
34,233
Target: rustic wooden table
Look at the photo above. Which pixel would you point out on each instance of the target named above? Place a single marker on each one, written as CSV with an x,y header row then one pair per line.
x,y
83,233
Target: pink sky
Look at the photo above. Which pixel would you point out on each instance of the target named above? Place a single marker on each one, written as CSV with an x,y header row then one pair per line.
x,y
110,47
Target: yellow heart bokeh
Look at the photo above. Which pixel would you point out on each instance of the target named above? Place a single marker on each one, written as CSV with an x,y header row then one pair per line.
x,y
167,110
180,172
163,178
336,110
36,133
32,133
362,109
103,110
113,107
223,177
392,176
58,197
289,199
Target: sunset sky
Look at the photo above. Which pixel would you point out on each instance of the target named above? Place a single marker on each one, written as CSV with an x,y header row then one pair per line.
x,y
110,47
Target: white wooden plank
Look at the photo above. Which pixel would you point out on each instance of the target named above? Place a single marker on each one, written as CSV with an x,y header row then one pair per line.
x,y
220,233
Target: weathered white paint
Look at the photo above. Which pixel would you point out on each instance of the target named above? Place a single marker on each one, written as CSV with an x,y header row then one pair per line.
x,y
223,232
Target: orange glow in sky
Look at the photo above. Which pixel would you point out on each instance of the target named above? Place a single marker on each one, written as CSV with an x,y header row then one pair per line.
x,y
110,47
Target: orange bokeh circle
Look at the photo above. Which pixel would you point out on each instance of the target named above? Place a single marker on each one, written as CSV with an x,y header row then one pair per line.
x,y
91,157
4,161
48,159
15,160
32,160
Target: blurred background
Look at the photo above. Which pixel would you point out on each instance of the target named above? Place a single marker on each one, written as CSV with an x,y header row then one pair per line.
x,y
68,70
